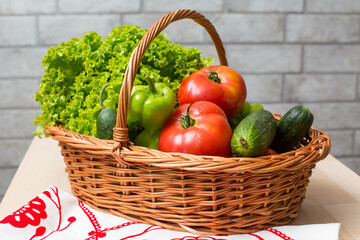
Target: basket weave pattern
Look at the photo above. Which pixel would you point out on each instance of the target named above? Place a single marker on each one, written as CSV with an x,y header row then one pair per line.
x,y
199,194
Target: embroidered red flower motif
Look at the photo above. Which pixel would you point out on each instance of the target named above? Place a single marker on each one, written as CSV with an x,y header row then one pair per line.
x,y
198,238
31,213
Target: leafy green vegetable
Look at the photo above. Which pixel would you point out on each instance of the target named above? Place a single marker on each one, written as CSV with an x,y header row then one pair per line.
x,y
77,69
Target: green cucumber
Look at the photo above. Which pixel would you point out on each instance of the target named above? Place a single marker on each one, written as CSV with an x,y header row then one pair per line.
x,y
292,127
106,120
254,134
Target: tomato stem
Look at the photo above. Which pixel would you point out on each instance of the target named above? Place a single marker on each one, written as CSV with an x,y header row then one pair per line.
x,y
186,121
213,76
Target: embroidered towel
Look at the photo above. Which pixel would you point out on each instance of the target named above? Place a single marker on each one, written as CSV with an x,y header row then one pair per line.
x,y
56,214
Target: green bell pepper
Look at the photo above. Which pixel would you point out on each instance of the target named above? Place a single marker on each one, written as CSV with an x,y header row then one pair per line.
x,y
151,104
245,110
255,106
148,138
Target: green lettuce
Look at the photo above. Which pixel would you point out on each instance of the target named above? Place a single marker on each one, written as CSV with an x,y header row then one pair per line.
x,y
77,69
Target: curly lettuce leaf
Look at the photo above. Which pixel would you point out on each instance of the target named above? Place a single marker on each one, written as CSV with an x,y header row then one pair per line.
x,y
77,69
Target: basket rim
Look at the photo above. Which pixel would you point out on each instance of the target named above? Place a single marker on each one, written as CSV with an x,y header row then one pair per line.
x,y
317,149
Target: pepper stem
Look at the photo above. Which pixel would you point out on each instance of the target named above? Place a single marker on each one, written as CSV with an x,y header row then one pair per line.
x,y
186,121
213,76
100,96
150,84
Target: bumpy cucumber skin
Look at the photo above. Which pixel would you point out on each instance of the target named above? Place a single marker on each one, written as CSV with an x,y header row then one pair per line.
x,y
106,120
105,123
254,134
292,127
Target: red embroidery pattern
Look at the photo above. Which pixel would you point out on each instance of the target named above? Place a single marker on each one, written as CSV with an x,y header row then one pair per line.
x,y
254,235
149,229
41,230
31,213
100,233
278,233
198,238
34,212
97,233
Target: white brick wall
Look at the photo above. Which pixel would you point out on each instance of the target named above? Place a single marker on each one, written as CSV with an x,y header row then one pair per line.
x,y
333,6
17,31
249,27
332,58
264,58
6,175
185,31
165,6
17,122
343,139
357,142
343,28
258,90
93,6
358,91
289,52
336,115
265,6
52,29
10,7
21,62
320,87
12,151
18,93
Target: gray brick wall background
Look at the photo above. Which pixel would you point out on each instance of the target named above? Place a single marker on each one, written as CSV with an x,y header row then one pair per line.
x,y
289,52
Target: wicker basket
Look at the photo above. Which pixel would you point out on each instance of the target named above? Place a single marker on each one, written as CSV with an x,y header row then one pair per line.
x,y
198,194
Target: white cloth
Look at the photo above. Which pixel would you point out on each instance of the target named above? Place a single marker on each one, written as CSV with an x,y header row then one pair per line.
x,y
55,214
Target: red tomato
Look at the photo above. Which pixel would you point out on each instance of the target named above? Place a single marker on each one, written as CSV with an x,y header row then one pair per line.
x,y
200,128
269,151
218,84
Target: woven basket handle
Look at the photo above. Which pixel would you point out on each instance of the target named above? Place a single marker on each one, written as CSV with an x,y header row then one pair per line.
x,y
120,131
